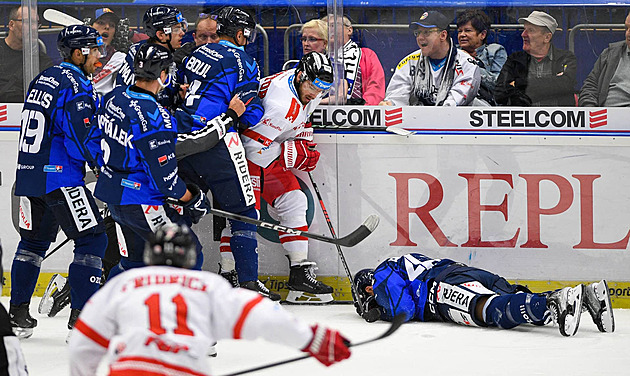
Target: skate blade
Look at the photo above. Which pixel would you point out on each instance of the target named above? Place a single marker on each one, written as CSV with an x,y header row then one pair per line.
x,y
571,322
301,297
22,333
56,283
607,318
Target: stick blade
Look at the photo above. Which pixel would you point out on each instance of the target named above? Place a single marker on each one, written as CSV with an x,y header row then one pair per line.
x,y
357,236
55,16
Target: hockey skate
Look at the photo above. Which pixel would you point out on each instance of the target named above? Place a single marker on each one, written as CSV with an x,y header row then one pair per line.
x,y
597,303
565,306
74,316
56,297
21,321
304,288
231,277
260,288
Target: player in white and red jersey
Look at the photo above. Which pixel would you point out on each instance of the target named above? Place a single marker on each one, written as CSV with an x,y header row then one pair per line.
x,y
161,320
281,141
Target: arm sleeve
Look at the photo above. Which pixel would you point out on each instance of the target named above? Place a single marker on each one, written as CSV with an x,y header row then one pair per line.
x,y
589,94
400,86
506,94
392,294
465,85
207,137
160,163
556,85
93,143
77,118
490,74
247,87
373,78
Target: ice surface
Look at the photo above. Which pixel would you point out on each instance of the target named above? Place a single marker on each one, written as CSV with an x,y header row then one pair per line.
x,y
416,349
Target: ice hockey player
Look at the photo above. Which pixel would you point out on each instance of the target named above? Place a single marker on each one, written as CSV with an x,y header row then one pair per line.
x,y
216,72
164,25
279,143
160,319
428,289
57,114
134,144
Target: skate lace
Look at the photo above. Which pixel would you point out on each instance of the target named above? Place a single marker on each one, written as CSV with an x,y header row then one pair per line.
x,y
310,274
262,288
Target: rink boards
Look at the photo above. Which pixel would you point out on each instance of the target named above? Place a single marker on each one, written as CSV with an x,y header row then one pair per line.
x,y
542,209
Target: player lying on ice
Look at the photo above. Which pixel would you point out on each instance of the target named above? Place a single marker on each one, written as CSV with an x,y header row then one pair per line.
x,y
161,319
428,289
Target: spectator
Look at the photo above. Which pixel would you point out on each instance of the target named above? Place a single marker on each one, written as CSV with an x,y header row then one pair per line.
x,y
12,62
473,27
314,38
438,74
103,79
362,69
608,84
541,74
205,30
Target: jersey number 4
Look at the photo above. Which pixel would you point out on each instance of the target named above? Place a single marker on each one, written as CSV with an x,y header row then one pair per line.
x,y
155,319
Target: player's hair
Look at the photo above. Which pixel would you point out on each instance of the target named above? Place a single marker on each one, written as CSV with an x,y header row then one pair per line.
x,y
478,19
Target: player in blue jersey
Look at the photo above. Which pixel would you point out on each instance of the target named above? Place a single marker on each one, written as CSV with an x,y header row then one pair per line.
x,y
57,114
427,289
165,26
216,72
134,144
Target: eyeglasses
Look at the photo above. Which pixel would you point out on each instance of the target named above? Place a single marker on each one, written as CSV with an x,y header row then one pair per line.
x,y
424,32
310,39
39,24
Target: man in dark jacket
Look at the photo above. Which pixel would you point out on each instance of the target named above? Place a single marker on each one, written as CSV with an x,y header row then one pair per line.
x,y
608,84
541,74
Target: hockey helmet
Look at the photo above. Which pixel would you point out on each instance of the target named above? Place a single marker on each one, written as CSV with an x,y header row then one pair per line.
x,y
317,68
151,60
171,245
230,20
161,18
363,279
78,37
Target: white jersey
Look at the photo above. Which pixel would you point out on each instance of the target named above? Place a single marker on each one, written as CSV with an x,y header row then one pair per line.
x,y
284,119
105,79
163,319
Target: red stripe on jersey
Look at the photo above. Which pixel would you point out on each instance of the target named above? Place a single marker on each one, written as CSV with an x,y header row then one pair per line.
x,y
142,366
288,239
257,137
241,320
91,333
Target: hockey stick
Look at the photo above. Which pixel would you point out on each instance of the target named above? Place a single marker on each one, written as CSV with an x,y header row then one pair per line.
x,y
396,323
56,249
350,240
55,16
355,295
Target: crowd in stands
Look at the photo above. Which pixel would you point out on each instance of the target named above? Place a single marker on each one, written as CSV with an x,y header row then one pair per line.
x,y
442,72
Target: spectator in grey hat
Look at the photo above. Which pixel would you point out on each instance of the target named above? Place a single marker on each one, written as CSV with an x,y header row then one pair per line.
x,y
541,74
608,84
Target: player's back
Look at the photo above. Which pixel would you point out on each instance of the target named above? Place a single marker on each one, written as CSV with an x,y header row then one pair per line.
x,y
45,159
125,76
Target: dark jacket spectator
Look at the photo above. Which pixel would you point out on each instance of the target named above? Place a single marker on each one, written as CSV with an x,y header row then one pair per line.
x,y
595,89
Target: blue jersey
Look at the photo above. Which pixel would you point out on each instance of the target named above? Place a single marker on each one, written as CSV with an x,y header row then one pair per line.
x,y
401,284
216,72
135,145
56,116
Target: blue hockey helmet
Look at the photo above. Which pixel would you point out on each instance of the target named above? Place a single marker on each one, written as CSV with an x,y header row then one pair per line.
x,y
161,18
317,68
78,37
363,279
171,245
151,60
230,20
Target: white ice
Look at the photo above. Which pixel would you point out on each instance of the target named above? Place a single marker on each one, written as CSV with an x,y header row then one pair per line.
x,y
416,348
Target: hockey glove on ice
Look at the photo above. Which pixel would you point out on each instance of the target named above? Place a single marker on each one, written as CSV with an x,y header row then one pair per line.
x,y
299,154
371,310
198,205
327,346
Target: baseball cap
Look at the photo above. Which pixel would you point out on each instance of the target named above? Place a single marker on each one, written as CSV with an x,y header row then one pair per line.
x,y
539,18
101,11
431,19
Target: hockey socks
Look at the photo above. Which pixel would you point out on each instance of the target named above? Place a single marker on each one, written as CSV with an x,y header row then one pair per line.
x,y
508,311
25,269
84,276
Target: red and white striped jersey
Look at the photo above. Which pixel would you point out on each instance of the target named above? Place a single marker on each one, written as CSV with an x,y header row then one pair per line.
x,y
284,119
164,319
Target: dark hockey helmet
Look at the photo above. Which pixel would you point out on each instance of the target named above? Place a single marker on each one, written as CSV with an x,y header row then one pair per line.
x,y
317,68
151,60
363,279
161,18
78,37
171,245
230,20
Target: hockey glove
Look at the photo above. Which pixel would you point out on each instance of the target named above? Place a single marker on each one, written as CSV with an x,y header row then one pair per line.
x,y
327,346
198,205
371,310
299,154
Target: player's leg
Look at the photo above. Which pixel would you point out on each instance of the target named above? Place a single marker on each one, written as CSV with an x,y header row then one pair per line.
x,y
38,228
227,265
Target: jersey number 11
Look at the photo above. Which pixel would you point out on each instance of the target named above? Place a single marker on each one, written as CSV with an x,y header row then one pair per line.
x,y
155,320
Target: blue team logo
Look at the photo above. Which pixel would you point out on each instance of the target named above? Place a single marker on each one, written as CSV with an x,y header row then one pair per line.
x,y
321,84
271,235
53,168
130,184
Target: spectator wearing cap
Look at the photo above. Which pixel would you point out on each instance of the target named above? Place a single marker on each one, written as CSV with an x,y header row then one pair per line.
x,y
438,74
363,71
608,84
314,38
541,74
12,61
105,23
473,26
